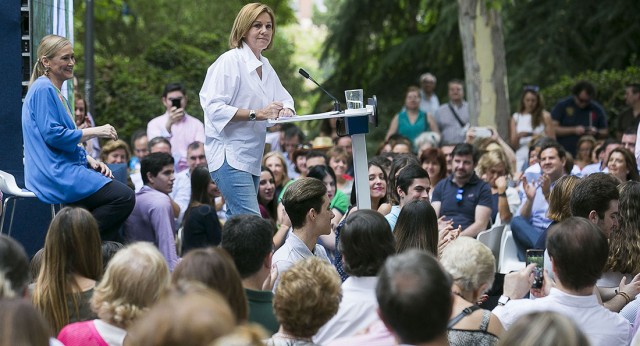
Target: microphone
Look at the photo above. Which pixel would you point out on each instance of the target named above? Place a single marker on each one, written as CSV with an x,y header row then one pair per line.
x,y
336,103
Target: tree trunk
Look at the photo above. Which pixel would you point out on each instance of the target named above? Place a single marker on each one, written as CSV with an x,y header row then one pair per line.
x,y
484,64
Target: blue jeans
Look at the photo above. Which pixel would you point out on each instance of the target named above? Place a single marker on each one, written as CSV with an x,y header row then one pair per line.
x,y
239,189
525,235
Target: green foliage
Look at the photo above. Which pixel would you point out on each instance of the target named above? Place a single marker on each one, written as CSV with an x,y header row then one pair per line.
x,y
142,45
610,90
384,46
546,40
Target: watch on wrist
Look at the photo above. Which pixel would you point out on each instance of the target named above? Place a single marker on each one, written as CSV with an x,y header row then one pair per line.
x,y
252,115
503,300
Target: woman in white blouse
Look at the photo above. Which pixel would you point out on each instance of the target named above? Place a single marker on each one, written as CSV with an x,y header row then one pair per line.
x,y
240,93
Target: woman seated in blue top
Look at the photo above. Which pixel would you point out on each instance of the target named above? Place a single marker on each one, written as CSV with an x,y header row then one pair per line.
x,y
411,121
57,168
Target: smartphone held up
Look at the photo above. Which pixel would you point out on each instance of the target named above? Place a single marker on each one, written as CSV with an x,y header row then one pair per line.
x,y
536,256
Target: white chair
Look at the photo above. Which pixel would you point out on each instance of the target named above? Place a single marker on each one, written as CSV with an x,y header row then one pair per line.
x,y
8,186
492,238
509,255
179,240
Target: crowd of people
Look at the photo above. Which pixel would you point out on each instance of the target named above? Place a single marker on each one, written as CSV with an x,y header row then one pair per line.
x,y
236,232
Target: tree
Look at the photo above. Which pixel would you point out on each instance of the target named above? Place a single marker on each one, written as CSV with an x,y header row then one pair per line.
x,y
484,62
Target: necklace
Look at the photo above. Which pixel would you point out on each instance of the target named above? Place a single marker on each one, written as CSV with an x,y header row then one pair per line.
x,y
66,105
290,337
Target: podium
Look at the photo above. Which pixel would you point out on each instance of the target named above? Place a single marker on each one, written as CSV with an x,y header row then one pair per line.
x,y
357,126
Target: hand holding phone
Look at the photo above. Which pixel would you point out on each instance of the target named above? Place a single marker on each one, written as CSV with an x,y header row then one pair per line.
x,y
176,102
536,256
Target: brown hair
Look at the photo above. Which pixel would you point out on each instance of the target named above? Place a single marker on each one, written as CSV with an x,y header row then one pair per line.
x,y
624,245
21,324
215,268
190,315
72,246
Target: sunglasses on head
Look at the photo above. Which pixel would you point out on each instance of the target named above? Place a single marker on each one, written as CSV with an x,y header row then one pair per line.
x,y
533,88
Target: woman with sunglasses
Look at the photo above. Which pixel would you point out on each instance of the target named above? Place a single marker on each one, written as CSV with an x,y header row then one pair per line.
x,y
531,119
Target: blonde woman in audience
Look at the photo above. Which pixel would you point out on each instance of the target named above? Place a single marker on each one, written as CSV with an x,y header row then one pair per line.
x,y
584,154
276,162
494,168
307,296
115,152
190,315
71,265
215,268
472,267
134,280
544,328
339,162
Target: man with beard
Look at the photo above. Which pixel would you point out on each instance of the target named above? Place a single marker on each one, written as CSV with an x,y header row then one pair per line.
x,y
463,197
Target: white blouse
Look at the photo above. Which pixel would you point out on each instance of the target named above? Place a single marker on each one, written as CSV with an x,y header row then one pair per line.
x,y
232,83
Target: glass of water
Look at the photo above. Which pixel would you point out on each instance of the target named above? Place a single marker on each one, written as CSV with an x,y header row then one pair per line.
x,y
354,98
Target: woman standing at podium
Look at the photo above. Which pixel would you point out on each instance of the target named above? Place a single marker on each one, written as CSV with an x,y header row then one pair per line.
x,y
57,168
240,92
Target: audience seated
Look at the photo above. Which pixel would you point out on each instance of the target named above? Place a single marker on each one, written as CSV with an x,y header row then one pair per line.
x,y
71,265
559,205
412,183
578,251
409,285
472,267
201,227
22,324
190,315
181,192
365,242
14,269
463,197
531,219
307,296
214,268
247,238
152,217
417,228
545,328
307,204
134,279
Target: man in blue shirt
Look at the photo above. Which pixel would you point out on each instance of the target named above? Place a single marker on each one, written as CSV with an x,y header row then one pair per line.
x,y
578,115
463,197
531,219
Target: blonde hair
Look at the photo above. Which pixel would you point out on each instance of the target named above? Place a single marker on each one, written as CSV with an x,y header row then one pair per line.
x,y
112,146
134,279
544,329
560,198
493,158
469,262
48,47
283,162
307,296
245,18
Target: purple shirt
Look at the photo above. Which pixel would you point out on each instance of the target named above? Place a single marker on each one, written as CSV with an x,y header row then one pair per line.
x,y
152,221
183,133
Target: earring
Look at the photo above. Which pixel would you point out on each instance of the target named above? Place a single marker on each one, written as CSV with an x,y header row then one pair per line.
x,y
46,71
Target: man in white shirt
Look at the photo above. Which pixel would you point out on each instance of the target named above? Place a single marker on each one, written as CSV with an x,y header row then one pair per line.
x,y
176,125
181,192
579,252
365,242
429,102
307,205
